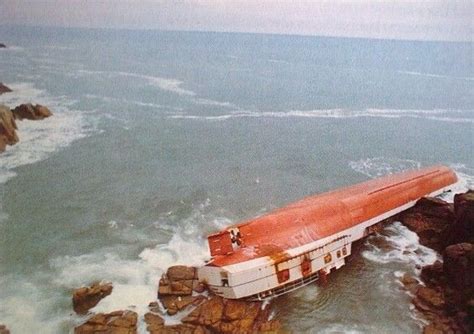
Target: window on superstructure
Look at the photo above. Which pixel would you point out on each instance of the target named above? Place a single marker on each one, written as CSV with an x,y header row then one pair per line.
x,y
327,258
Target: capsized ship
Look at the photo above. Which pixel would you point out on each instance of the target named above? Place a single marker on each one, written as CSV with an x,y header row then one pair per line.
x,y
298,244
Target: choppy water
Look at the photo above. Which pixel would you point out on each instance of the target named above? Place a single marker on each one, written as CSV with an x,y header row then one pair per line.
x,y
161,138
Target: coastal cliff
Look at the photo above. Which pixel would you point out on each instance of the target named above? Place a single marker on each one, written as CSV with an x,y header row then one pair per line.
x,y
445,295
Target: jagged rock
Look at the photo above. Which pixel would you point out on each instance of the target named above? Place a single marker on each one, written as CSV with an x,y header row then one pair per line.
x,y
8,128
118,322
430,218
31,112
154,322
178,280
459,266
4,329
206,314
229,316
174,304
4,89
86,298
430,297
179,273
156,325
433,274
463,228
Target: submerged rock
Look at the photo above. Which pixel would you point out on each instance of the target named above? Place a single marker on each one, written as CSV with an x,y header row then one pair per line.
x,y
119,322
8,128
85,298
31,112
4,89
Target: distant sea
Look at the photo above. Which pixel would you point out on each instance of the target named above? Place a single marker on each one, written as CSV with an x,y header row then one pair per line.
x,y
160,138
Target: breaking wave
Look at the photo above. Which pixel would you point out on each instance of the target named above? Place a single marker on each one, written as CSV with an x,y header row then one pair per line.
x,y
444,115
170,85
398,244
38,140
432,75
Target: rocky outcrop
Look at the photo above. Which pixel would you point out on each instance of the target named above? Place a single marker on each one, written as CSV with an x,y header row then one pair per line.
x,y
31,112
430,218
447,299
178,281
4,89
118,322
85,298
232,316
178,288
8,128
4,329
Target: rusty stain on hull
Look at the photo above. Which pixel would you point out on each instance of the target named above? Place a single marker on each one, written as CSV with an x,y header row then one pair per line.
x,y
320,216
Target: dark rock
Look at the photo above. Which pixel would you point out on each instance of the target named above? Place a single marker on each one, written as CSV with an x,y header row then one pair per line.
x,y
4,329
8,128
118,322
4,89
459,266
463,228
2,46
430,218
433,274
85,298
31,112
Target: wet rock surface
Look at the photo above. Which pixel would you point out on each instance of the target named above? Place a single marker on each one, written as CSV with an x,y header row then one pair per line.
x,y
8,135
447,297
118,322
201,312
4,89
31,112
8,126
85,298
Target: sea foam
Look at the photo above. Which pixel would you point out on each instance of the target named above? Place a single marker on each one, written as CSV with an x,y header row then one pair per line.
x,y
442,115
39,139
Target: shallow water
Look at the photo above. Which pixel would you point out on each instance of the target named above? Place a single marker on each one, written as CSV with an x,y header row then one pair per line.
x,y
161,138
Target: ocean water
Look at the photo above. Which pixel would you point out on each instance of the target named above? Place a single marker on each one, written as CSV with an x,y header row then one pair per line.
x,y
160,138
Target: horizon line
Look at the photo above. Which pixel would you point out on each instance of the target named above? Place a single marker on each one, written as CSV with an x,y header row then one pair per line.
x,y
388,38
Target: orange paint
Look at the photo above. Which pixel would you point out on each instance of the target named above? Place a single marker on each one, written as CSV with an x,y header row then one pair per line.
x,y
323,215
